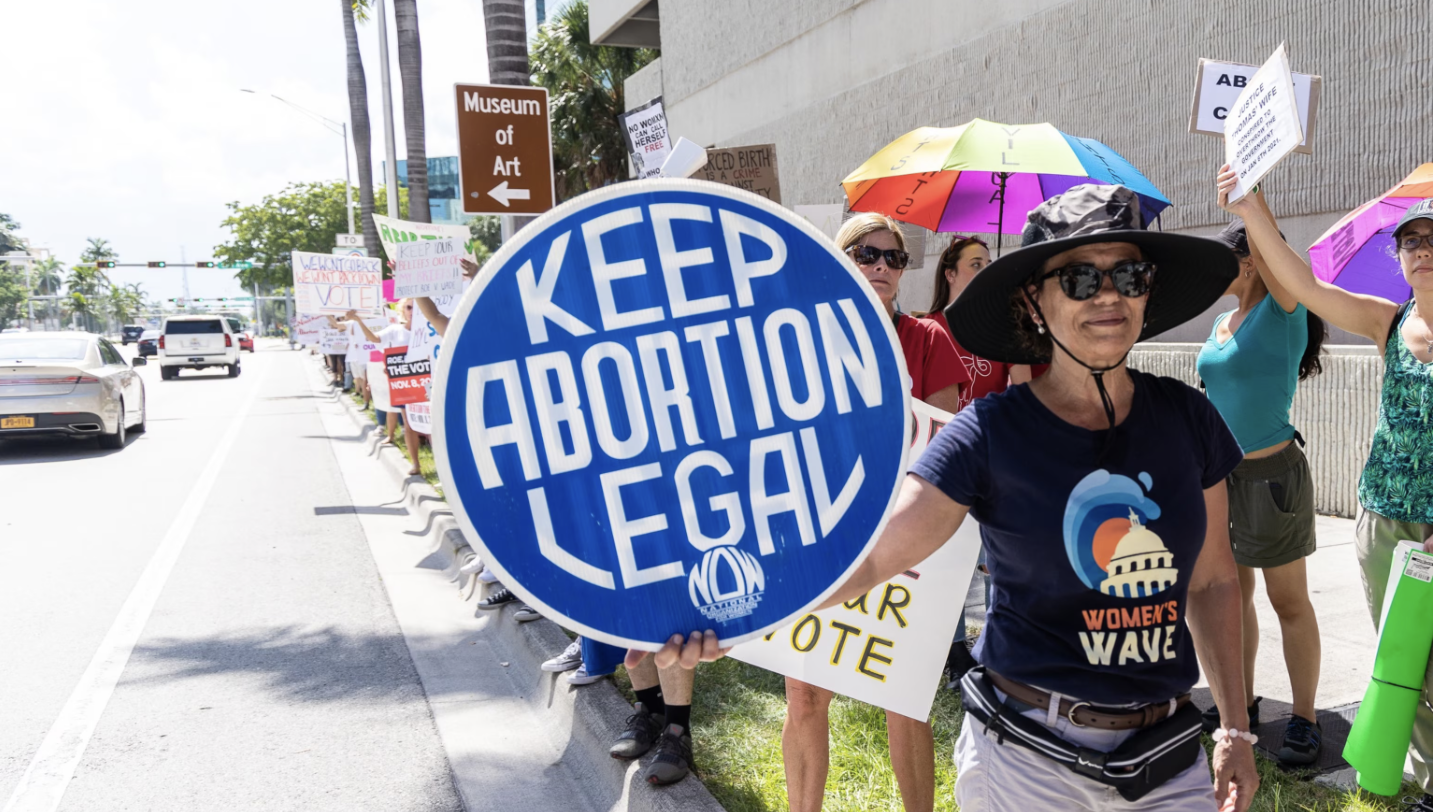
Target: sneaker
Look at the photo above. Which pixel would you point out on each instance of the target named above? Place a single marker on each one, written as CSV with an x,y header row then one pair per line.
x,y
488,576
582,677
643,728
527,614
674,757
1210,719
472,565
497,599
572,657
1302,742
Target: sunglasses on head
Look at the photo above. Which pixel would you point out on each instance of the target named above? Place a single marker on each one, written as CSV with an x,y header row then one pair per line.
x,y
869,254
1082,281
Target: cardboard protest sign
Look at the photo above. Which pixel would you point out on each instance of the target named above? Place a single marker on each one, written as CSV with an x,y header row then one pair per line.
x,y
671,405
424,340
1264,124
419,417
393,233
751,168
648,142
333,342
360,348
308,328
1218,86
428,268
324,283
886,648
408,381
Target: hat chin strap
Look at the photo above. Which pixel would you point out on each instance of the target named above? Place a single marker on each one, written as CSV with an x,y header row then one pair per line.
x,y
1098,373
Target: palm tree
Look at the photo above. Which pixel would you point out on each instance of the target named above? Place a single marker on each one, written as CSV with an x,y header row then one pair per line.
x,y
46,277
410,72
358,118
584,83
506,26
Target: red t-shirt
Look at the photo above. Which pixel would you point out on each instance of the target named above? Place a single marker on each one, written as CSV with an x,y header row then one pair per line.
x,y
987,377
931,357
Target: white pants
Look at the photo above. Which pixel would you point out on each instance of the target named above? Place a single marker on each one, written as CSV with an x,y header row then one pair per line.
x,y
993,777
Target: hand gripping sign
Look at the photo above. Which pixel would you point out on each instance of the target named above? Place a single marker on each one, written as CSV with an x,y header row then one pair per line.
x,y
670,405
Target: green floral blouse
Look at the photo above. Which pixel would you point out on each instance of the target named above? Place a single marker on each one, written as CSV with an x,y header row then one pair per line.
x,y
1398,479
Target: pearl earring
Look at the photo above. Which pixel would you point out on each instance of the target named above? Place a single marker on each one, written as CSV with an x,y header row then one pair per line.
x,y
1041,328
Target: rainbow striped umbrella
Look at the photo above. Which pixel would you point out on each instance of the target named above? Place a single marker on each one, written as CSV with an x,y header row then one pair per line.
x,y
1358,253
964,178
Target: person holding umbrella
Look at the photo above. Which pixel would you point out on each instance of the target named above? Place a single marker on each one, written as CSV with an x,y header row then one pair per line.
x,y
877,247
1102,501
1396,488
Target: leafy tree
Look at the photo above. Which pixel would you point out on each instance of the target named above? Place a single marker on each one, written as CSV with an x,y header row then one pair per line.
x,y
12,293
9,240
584,83
98,250
487,233
303,217
46,276
124,303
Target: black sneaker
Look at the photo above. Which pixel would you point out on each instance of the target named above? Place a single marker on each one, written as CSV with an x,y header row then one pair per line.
x,y
1302,742
674,757
497,599
643,728
958,662
1210,719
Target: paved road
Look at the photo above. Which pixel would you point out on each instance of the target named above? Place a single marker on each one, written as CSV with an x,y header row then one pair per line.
x,y
267,670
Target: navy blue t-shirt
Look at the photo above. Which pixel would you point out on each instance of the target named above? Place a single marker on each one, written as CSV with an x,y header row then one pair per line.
x,y
1090,558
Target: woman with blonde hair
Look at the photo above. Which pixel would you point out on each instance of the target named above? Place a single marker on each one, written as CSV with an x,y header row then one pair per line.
x,y
874,242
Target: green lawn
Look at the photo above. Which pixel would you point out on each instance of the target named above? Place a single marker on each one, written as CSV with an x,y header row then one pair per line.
x,y
737,729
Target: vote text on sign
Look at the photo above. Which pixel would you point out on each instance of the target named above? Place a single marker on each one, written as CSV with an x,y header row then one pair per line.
x,y
324,283
671,405
408,381
1218,84
505,154
888,647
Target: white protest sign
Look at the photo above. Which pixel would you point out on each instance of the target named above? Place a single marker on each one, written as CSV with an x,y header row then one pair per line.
x,y
360,348
428,268
324,283
1219,84
648,142
423,338
378,385
393,233
308,328
419,417
333,342
1264,124
886,648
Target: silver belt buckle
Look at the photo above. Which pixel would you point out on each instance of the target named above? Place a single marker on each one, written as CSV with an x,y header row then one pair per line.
x,y
1070,714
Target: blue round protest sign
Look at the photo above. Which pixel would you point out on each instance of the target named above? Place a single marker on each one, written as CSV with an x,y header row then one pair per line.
x,y
669,406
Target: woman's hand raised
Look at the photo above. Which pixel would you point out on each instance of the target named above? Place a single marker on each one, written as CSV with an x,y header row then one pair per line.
x,y
1225,183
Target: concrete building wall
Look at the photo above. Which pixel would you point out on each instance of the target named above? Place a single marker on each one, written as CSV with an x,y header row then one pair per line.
x,y
832,81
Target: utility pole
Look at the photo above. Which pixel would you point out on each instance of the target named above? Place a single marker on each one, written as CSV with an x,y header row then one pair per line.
x,y
184,269
390,150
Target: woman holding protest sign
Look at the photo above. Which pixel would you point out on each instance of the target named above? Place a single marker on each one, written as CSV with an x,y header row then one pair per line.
x,y
395,335
1250,366
1102,502
1396,495
876,245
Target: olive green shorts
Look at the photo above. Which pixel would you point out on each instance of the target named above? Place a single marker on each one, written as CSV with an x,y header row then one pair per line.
x,y
1272,520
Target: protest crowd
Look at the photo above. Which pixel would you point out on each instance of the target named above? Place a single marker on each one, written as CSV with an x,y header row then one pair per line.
x,y
1051,442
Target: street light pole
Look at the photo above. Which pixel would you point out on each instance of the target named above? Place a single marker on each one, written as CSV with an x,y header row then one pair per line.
x,y
390,150
342,132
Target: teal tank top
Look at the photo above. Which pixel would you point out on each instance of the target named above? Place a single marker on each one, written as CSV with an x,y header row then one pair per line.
x,y
1251,378
1398,479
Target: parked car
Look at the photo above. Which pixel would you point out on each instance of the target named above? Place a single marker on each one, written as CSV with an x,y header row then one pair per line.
x,y
131,332
197,342
246,338
68,383
149,343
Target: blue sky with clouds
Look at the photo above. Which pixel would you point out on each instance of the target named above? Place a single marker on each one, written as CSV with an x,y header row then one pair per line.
x,y
126,121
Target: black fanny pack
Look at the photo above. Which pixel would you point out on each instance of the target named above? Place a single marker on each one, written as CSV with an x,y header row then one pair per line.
x,y
1141,763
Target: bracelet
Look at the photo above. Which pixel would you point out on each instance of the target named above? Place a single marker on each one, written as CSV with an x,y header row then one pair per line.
x,y
1221,734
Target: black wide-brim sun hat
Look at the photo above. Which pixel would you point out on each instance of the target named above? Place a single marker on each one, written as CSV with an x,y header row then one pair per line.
x,y
1192,273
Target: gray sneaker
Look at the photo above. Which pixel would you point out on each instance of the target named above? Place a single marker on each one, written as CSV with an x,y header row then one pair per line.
x,y
643,728
571,658
526,614
673,760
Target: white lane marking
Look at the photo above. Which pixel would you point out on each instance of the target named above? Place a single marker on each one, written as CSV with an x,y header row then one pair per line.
x,y
45,780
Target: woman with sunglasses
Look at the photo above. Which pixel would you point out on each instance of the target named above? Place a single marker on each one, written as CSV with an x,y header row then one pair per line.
x,y
1396,488
1101,496
396,335
878,249
1250,365
959,264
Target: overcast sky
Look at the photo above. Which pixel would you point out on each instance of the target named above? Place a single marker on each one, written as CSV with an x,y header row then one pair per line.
x,y
124,120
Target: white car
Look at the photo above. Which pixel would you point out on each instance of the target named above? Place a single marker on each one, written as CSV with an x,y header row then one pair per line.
x,y
68,383
197,342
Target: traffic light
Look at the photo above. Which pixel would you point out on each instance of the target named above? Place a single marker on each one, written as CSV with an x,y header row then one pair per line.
x,y
107,263
204,264
156,264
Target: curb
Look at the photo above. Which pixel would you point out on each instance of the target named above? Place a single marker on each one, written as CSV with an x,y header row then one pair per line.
x,y
592,715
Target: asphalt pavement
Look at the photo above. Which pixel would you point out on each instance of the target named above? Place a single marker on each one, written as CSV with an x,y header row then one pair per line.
x,y
196,622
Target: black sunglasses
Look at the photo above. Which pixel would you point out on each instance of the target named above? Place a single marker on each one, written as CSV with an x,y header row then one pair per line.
x,y
869,254
1082,281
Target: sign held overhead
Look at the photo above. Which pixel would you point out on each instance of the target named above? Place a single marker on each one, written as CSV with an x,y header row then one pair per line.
x,y
1219,84
505,155
1264,124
